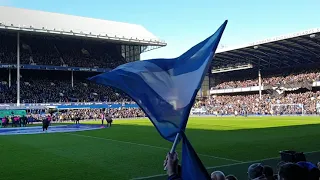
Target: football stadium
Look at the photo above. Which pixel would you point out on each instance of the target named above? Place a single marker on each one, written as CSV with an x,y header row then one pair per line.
x,y
258,105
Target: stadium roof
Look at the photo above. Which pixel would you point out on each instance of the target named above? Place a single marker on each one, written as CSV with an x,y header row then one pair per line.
x,y
279,52
54,23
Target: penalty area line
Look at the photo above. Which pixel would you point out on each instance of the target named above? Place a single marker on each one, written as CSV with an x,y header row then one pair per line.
x,y
226,165
150,146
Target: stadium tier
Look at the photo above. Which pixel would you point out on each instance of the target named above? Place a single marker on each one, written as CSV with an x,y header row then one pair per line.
x,y
279,75
48,61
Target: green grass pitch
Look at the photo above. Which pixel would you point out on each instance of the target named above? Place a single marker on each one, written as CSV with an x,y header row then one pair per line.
x,y
134,149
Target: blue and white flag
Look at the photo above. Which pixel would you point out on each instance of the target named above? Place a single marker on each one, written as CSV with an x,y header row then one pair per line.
x,y
165,89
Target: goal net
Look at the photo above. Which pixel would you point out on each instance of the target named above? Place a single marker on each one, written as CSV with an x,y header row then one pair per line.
x,y
287,109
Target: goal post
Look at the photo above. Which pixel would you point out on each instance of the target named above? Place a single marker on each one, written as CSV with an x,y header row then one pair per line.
x,y
287,109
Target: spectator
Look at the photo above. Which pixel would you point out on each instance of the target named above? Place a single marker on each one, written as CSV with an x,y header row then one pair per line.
x,y
172,165
255,172
231,177
268,172
313,171
217,175
291,171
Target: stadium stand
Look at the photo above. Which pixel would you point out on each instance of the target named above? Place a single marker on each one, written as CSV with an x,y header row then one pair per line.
x,y
237,104
312,76
56,57
277,76
55,51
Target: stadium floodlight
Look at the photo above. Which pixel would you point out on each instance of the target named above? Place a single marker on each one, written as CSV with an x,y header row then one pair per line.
x,y
312,36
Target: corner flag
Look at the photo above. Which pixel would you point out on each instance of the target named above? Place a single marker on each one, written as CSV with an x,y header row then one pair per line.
x,y
165,89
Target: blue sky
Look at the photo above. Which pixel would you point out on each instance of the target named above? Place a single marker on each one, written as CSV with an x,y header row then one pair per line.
x,y
183,23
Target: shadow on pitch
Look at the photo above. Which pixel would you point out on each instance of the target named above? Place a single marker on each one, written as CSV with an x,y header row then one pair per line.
x,y
242,145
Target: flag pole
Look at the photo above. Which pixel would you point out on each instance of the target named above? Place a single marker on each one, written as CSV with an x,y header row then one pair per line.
x,y
174,146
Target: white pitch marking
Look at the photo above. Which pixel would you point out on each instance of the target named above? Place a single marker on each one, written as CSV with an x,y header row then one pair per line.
x,y
146,145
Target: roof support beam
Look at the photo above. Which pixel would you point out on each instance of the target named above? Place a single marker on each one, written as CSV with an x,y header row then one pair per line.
x,y
258,57
314,41
281,62
292,51
273,50
232,57
236,53
226,57
302,46
257,51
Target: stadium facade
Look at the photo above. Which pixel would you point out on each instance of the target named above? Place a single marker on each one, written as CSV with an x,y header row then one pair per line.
x,y
37,45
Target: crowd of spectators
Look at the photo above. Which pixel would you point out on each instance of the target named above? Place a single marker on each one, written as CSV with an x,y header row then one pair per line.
x,y
40,50
97,114
126,113
291,103
87,114
48,91
295,169
83,114
45,91
292,78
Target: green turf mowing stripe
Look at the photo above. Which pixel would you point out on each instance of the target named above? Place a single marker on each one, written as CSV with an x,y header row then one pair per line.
x,y
61,156
150,146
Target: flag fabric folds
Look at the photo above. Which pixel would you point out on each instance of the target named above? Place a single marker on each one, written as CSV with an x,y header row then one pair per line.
x,y
165,89
191,166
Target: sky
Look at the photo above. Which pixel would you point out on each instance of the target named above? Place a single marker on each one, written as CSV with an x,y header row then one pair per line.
x,y
184,23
